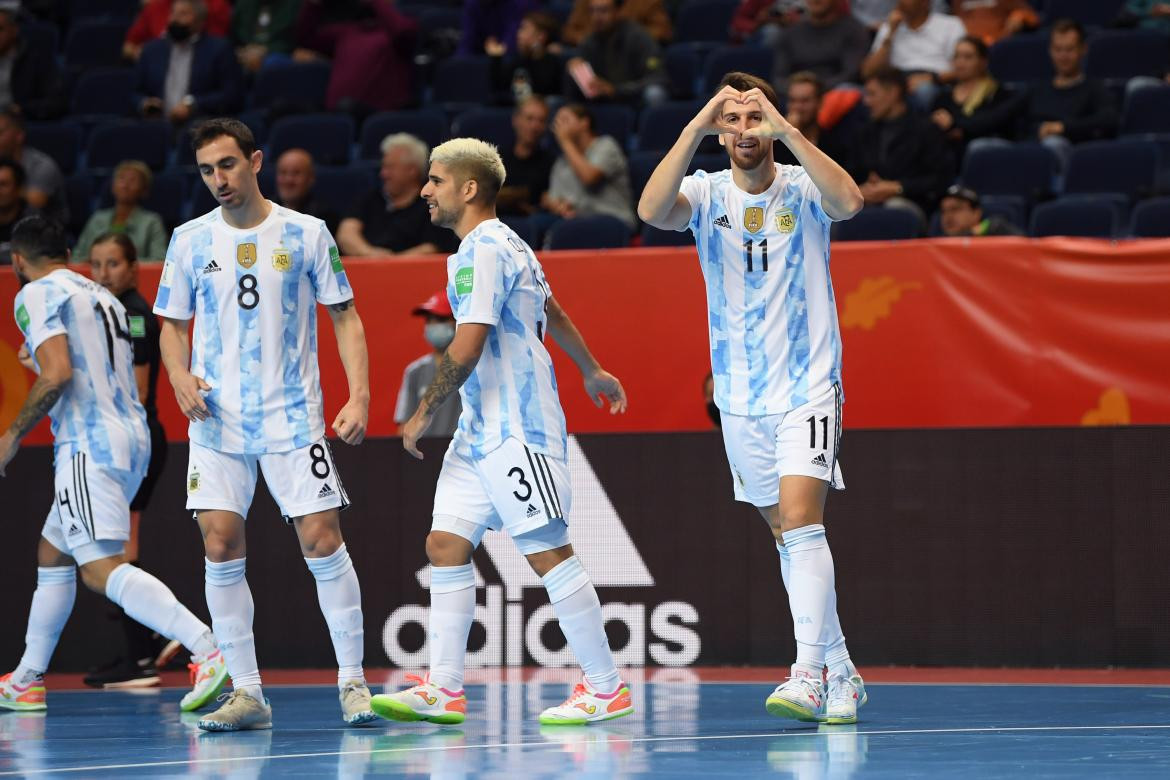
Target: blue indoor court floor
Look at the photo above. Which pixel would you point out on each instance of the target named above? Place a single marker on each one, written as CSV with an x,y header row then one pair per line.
x,y
684,727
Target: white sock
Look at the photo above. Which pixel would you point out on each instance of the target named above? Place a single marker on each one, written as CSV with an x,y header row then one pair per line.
x,y
578,611
230,603
52,602
836,653
151,603
340,598
452,612
810,594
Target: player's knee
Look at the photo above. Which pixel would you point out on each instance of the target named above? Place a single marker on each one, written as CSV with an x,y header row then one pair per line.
x,y
798,515
221,547
94,578
445,549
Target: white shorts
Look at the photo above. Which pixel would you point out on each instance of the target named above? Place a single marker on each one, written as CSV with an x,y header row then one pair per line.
x,y
513,488
92,503
302,481
801,442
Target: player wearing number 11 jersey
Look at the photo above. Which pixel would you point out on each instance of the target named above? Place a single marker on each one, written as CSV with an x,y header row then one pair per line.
x,y
762,232
251,274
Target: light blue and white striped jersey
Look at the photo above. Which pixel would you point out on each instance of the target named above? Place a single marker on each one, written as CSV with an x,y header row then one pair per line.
x,y
253,294
775,342
495,279
99,413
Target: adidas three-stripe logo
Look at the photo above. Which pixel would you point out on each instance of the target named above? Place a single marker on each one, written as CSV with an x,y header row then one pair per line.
x,y
211,267
325,491
722,222
819,460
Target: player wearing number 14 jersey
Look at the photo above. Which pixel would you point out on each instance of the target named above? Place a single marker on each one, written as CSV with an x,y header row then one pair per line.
x,y
251,274
762,232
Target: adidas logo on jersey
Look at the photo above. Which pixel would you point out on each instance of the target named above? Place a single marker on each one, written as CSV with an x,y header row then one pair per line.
x,y
819,460
73,529
211,267
722,222
533,511
325,491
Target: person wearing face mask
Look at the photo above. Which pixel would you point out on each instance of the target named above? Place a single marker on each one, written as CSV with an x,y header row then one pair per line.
x,y
188,73
438,331
152,21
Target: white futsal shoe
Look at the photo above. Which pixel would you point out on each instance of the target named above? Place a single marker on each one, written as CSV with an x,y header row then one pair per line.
x,y
846,695
800,697
355,703
586,705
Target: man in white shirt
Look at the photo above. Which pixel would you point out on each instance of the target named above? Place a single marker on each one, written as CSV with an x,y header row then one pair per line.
x,y
918,41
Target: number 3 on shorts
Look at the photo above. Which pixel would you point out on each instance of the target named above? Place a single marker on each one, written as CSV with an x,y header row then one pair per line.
x,y
518,473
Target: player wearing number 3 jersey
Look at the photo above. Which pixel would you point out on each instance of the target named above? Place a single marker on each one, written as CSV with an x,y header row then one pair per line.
x,y
762,232
251,274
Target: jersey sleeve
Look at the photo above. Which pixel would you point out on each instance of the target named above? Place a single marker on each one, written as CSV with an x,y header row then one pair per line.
x,y
38,313
809,191
482,283
696,188
176,289
326,273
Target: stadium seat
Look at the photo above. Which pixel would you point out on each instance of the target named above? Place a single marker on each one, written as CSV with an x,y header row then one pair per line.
x,y
1147,110
1025,169
682,66
1096,13
113,142
102,93
652,236
660,125
105,10
878,224
522,226
756,60
1013,208
79,195
1151,219
342,186
614,120
597,232
60,140
94,44
427,124
491,124
201,200
716,161
704,20
1127,167
462,82
40,35
642,164
1122,54
328,137
1089,217
296,86
1021,58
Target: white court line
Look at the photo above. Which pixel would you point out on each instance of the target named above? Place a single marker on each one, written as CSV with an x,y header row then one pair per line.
x,y
611,737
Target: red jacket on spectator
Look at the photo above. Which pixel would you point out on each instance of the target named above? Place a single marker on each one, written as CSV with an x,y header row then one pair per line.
x,y
152,20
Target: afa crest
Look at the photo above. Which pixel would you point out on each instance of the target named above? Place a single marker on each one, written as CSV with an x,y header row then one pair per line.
x,y
281,259
753,219
785,220
193,482
246,254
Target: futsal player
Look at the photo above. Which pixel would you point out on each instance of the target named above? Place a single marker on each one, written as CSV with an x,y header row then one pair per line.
x,y
78,338
762,232
506,465
251,274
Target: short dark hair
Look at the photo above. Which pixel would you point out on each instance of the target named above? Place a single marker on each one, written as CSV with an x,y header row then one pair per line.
x,y
582,111
520,104
978,44
544,22
16,168
37,238
207,131
13,114
1067,25
746,81
807,77
890,77
129,251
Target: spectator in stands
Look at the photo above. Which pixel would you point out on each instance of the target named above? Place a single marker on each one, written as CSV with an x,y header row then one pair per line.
x,y
960,214
804,97
189,73
154,18
591,176
528,68
618,61
1070,108
649,14
130,184
491,23
990,20
394,220
872,13
13,206
1148,14
976,105
44,186
919,42
899,158
264,31
528,164
438,331
829,42
295,177
371,46
765,20
29,77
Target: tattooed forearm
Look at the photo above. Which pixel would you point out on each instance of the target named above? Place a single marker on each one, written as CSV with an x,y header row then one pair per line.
x,y
449,377
41,398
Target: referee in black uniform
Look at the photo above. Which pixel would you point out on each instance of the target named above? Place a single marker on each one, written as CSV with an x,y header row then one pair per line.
x,y
113,261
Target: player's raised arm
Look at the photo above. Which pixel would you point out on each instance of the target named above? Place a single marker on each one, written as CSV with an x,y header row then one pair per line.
x,y
601,385
458,362
175,347
353,418
661,203
56,371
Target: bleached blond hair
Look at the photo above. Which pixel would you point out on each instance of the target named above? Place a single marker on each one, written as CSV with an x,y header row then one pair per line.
x,y
471,158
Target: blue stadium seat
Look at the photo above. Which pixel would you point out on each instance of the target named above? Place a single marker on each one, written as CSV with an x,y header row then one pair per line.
x,y
1021,58
682,66
522,225
1013,208
1127,167
1097,13
201,200
94,44
1121,54
642,164
342,186
652,236
614,120
491,124
296,84
462,81
704,20
40,35
104,92
1147,110
105,10
716,161
1025,169
428,124
113,142
328,137
1151,219
756,60
60,140
1088,217
597,232
878,224
660,125
79,195
431,20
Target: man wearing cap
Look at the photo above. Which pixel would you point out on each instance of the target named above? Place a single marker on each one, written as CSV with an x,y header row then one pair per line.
x,y
438,331
961,215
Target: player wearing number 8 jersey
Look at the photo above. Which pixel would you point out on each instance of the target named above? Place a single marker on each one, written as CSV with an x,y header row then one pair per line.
x,y
762,232
251,273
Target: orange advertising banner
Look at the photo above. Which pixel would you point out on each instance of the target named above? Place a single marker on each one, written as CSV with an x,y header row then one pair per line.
x,y
990,332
